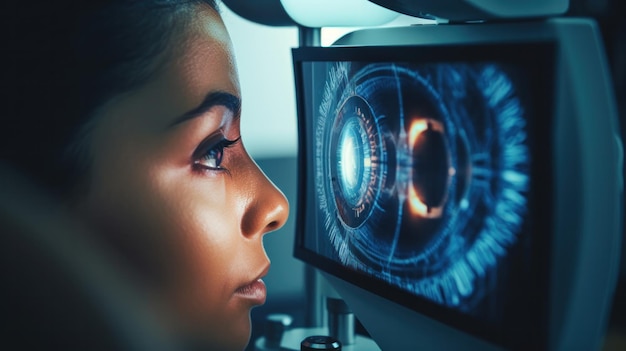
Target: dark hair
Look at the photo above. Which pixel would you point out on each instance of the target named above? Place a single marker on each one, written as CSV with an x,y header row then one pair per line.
x,y
65,59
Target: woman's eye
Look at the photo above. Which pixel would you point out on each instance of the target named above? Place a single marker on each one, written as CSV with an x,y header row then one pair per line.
x,y
211,159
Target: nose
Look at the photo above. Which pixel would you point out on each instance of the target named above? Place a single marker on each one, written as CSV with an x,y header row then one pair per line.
x,y
268,207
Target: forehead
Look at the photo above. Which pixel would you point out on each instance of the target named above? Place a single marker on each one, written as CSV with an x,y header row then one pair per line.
x,y
203,58
206,51
200,61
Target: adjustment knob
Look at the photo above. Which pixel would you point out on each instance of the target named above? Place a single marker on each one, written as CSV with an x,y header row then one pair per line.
x,y
319,342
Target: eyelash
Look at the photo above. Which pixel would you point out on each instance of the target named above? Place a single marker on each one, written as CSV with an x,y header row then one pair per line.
x,y
214,155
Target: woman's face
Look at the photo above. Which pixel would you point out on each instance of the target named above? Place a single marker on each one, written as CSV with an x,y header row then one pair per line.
x,y
175,193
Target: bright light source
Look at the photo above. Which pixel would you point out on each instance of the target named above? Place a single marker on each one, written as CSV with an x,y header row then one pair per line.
x,y
337,13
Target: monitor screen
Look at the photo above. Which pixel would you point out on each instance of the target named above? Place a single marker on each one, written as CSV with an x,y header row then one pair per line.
x,y
425,178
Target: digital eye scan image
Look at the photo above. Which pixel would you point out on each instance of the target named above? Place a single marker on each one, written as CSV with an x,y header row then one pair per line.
x,y
422,177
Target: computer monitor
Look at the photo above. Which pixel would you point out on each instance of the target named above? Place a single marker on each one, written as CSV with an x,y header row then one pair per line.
x,y
459,185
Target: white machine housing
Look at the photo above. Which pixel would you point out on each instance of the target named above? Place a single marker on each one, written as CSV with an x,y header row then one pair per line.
x,y
473,10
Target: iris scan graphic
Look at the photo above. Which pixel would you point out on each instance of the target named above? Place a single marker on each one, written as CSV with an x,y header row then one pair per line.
x,y
422,174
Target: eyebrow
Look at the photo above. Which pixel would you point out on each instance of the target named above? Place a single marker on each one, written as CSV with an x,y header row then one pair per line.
x,y
212,99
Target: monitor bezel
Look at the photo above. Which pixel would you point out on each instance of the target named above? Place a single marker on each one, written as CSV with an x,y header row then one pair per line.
x,y
542,53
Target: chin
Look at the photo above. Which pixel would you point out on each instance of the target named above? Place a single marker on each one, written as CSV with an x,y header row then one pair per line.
x,y
242,338
232,337
221,343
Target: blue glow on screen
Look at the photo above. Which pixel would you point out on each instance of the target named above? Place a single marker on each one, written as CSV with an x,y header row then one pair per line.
x,y
421,174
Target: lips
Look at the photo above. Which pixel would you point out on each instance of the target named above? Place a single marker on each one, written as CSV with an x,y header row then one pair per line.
x,y
255,292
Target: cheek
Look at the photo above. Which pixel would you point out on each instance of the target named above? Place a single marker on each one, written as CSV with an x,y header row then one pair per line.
x,y
174,236
179,234
205,260
206,234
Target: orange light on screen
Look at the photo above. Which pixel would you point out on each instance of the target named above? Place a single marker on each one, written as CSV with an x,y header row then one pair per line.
x,y
416,205
419,208
418,126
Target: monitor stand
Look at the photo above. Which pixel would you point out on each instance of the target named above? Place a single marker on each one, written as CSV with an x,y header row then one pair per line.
x,y
340,327
292,338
